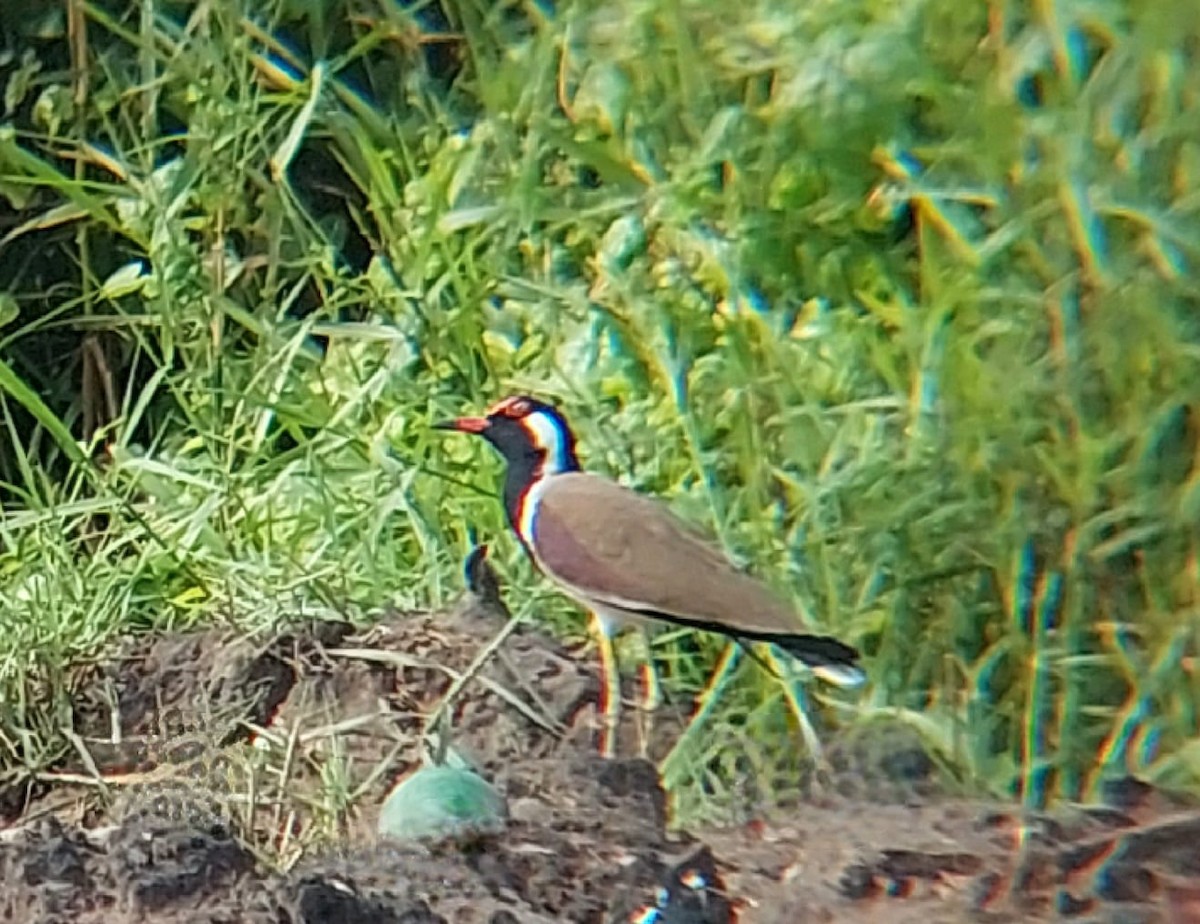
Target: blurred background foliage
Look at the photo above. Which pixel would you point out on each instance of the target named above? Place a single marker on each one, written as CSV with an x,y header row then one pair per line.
x,y
900,299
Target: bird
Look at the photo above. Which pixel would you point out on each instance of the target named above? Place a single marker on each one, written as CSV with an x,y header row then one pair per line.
x,y
627,557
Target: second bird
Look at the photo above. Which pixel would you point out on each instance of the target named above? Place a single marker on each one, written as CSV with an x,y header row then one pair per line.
x,y
628,558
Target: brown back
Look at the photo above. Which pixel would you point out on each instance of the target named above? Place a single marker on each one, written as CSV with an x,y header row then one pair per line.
x,y
623,549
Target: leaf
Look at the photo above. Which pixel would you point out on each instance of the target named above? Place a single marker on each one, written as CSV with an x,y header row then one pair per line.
x,y
26,396
130,278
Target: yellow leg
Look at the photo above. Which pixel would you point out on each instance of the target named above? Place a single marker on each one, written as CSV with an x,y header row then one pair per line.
x,y
651,696
610,690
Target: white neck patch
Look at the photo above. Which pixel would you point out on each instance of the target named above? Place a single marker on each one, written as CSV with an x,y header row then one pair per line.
x,y
527,523
548,436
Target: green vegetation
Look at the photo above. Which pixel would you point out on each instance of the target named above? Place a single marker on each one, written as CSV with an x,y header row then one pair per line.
x,y
899,298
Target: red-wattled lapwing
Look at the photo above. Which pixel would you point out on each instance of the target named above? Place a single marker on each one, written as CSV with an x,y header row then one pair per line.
x,y
628,558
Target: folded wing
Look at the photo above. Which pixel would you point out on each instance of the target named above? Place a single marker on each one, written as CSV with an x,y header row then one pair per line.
x,y
629,551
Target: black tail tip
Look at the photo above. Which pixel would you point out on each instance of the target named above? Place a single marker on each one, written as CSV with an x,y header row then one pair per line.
x,y
829,658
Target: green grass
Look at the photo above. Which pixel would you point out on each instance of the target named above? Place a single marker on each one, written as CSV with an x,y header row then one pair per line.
x,y
899,299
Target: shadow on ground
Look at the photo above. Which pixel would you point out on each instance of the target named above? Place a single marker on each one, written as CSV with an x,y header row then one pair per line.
x,y
212,773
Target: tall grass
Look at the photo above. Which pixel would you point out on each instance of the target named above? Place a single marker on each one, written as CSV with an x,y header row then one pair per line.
x,y
899,299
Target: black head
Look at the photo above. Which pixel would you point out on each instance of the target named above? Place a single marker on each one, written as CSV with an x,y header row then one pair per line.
x,y
533,437
525,431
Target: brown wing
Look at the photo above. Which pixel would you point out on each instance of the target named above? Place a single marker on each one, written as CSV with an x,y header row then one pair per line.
x,y
626,550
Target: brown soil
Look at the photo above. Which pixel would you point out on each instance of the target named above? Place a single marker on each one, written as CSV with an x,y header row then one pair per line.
x,y
211,773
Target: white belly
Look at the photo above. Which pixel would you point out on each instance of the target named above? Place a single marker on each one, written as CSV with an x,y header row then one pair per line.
x,y
612,621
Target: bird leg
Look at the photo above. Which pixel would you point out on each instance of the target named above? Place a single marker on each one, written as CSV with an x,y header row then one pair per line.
x,y
651,695
610,688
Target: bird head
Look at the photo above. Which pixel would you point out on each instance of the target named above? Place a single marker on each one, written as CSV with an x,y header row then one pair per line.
x,y
530,434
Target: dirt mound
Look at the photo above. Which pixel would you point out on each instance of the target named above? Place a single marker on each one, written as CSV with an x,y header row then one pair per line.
x,y
169,862
172,858
211,774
